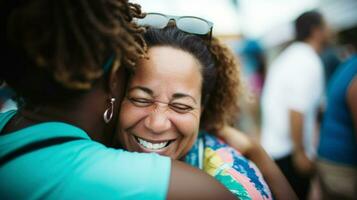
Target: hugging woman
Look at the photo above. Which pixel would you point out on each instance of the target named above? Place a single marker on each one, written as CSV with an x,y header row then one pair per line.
x,y
179,99
66,60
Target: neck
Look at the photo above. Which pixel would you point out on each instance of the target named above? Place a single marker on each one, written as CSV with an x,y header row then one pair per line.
x,y
74,114
315,44
85,112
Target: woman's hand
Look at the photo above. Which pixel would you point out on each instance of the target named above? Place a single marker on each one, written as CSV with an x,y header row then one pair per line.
x,y
302,163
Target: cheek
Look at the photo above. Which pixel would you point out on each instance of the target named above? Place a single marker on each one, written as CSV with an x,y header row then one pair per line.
x,y
188,124
188,127
129,115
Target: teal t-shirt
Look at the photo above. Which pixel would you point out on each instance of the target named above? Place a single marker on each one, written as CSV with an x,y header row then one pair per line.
x,y
78,169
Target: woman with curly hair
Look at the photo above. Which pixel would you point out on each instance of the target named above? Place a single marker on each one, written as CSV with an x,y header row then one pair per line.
x,y
66,60
222,110
180,98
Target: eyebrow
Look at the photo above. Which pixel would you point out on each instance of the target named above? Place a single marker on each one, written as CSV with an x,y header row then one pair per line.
x,y
181,95
145,89
150,92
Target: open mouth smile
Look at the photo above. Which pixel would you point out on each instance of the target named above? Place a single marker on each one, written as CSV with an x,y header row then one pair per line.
x,y
152,145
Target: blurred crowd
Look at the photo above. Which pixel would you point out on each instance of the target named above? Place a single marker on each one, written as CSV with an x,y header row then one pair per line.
x,y
302,106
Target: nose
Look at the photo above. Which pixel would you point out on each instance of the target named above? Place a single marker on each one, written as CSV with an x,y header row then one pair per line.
x,y
157,121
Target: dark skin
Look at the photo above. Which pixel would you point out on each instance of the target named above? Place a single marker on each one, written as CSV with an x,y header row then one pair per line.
x,y
352,103
86,112
303,164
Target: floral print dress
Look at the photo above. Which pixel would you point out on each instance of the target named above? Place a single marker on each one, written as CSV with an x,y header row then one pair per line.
x,y
228,166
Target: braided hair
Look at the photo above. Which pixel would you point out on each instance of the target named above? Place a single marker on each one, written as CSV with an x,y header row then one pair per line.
x,y
58,48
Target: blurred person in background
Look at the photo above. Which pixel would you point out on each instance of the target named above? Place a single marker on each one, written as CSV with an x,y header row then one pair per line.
x,y
253,62
348,39
337,152
331,61
253,65
290,101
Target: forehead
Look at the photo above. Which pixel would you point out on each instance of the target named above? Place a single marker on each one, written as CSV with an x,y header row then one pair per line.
x,y
170,68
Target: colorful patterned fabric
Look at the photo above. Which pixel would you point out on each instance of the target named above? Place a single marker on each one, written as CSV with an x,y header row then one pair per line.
x,y
228,166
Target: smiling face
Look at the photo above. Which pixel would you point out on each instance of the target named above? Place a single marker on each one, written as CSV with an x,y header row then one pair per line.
x,y
162,109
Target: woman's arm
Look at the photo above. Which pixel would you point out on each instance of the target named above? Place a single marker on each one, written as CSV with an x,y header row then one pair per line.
x,y
276,181
187,182
352,101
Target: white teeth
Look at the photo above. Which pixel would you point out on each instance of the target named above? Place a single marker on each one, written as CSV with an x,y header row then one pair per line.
x,y
152,146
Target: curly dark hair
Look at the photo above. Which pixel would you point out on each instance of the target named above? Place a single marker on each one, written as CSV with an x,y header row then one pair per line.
x,y
58,48
220,72
222,107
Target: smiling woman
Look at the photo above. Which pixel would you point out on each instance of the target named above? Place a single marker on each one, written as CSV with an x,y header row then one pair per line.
x,y
164,97
183,88
70,93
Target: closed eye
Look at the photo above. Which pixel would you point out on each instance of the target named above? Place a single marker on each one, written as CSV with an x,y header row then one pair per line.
x,y
141,102
180,108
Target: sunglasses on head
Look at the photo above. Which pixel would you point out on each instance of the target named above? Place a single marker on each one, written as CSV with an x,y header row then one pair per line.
x,y
188,24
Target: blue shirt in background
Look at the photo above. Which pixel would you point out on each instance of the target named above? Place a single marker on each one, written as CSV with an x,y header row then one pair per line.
x,y
338,141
